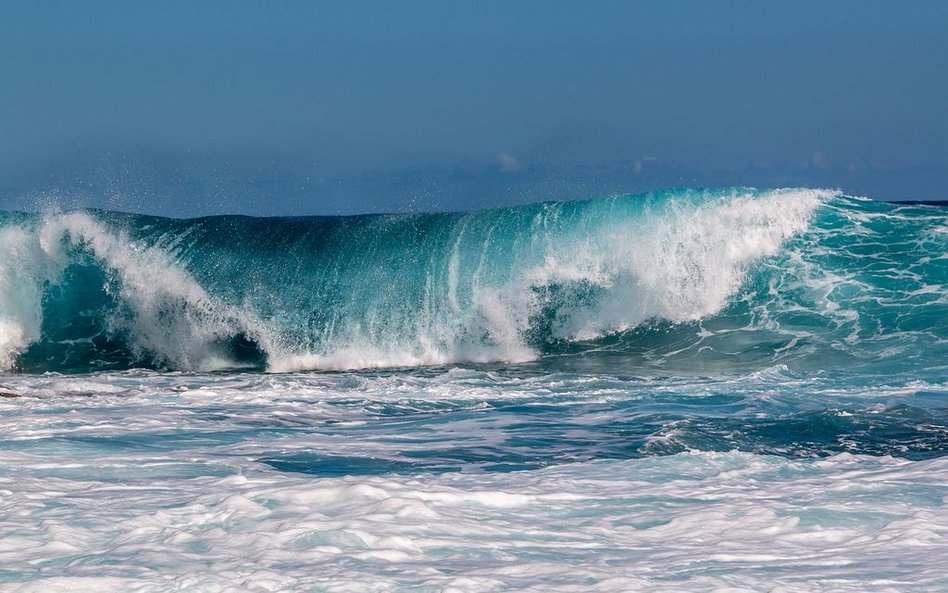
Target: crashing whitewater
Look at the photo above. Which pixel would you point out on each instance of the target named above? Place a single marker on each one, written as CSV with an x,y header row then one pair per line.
x,y
506,285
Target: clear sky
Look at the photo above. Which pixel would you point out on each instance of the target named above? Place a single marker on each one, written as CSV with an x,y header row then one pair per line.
x,y
290,107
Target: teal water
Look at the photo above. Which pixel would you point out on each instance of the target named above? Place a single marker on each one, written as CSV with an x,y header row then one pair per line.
x,y
687,390
668,280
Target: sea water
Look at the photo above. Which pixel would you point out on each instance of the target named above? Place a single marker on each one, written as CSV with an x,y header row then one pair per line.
x,y
732,390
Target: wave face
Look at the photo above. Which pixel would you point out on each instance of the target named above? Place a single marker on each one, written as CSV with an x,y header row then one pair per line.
x,y
681,279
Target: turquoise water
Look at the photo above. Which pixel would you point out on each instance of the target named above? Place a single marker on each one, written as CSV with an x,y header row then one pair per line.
x,y
731,390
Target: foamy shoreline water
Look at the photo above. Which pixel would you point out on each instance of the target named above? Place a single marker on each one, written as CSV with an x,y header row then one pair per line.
x,y
467,480
699,521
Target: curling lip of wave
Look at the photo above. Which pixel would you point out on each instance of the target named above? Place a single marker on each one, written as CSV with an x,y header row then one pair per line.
x,y
375,291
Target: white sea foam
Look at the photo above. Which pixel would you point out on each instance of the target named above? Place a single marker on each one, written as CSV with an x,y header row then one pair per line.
x,y
710,521
160,482
680,263
22,273
680,266
163,309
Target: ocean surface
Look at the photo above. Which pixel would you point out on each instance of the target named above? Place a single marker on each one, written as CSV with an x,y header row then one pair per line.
x,y
731,391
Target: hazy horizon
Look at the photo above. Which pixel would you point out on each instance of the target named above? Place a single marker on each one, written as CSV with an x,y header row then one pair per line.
x,y
316,108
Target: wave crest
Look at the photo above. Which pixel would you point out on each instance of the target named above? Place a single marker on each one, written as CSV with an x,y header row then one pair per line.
x,y
165,317
105,290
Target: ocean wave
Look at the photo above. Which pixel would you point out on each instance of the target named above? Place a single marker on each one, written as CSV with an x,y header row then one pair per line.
x,y
674,277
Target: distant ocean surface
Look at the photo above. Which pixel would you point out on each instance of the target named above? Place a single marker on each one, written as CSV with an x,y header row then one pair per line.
x,y
730,390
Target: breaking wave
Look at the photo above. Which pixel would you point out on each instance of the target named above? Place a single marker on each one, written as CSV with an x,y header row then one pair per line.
x,y
679,277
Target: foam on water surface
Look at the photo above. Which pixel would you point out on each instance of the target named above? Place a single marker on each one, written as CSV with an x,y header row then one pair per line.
x,y
698,521
471,480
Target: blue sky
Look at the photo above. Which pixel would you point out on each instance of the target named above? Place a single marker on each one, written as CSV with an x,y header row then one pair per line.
x,y
309,107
